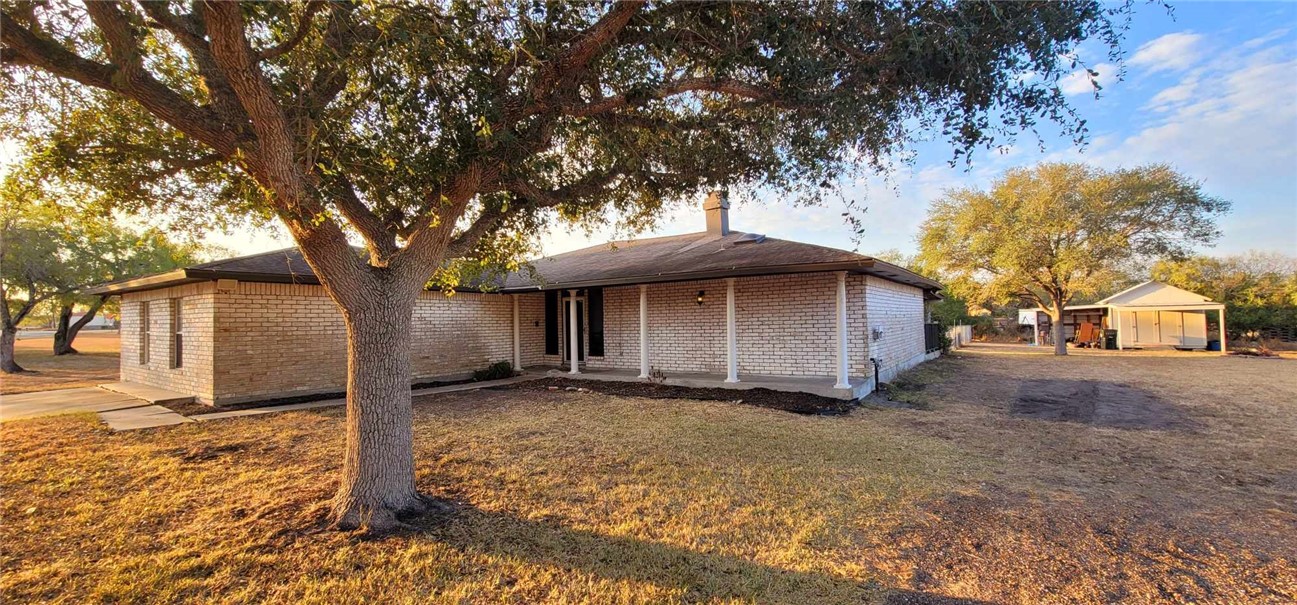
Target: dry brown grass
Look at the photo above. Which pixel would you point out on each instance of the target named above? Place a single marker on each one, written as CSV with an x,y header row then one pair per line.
x,y
573,498
96,363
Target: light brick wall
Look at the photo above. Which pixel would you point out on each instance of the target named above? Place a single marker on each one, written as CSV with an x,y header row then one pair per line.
x,y
897,309
280,340
266,341
197,306
785,326
531,315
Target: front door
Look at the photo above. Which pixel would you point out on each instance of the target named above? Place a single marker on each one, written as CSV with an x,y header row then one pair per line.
x,y
567,329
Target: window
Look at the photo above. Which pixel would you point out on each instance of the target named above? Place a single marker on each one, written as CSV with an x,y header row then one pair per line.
x,y
177,335
144,333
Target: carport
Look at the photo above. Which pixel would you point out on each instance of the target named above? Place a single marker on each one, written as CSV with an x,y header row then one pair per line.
x,y
1149,315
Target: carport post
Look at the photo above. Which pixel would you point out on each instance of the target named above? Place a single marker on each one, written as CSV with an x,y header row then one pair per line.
x,y
1115,313
1224,349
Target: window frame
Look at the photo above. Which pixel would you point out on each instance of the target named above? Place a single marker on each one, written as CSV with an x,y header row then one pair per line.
x,y
177,333
145,333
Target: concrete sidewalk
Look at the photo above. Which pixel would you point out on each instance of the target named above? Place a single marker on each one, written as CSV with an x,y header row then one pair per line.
x,y
120,410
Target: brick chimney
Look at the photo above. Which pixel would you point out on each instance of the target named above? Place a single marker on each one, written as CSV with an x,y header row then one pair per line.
x,y
717,208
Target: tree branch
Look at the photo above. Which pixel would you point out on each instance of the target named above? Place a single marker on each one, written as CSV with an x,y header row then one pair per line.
x,y
303,28
623,100
143,89
381,243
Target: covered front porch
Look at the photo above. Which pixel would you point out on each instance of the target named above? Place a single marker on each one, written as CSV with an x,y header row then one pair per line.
x,y
824,386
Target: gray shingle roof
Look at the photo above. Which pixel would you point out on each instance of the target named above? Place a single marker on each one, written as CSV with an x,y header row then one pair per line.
x,y
661,259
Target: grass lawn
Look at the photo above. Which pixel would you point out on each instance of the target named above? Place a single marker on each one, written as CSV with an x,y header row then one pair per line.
x,y
96,363
998,491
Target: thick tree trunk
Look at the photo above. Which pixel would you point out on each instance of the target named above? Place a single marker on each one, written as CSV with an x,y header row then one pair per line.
x,y
377,486
1060,334
62,340
7,364
67,330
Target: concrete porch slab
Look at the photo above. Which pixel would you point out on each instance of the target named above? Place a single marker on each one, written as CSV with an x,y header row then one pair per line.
x,y
148,393
64,401
145,417
814,385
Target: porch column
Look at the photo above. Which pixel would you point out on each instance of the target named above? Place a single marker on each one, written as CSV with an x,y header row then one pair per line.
x,y
731,338
643,332
517,340
1223,347
843,382
1035,329
573,346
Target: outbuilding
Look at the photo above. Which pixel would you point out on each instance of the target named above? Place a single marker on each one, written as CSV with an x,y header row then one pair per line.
x,y
1150,315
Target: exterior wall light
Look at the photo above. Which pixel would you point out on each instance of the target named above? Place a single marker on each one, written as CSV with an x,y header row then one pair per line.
x,y
701,295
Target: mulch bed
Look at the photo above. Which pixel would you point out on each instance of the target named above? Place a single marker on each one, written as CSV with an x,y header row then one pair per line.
x,y
797,403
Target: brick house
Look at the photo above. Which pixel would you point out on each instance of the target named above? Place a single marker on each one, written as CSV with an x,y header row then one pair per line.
x,y
713,308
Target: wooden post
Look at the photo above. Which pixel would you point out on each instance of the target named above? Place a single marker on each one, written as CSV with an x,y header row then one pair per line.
x,y
843,382
731,338
1224,348
643,332
572,319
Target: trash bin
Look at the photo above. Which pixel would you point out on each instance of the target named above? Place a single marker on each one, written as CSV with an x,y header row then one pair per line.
x,y
1110,339
1213,345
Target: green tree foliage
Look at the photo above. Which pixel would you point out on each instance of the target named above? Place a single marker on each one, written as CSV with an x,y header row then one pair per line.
x,y
444,131
52,251
1259,289
1053,232
116,252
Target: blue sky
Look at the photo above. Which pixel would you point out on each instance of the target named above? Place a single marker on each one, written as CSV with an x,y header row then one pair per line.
x,y
1211,90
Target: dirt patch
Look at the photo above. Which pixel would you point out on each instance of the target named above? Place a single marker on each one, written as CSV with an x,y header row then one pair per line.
x,y
1007,543
1097,403
797,403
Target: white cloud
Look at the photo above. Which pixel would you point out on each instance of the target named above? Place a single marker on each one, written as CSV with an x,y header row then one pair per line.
x,y
1171,52
1078,82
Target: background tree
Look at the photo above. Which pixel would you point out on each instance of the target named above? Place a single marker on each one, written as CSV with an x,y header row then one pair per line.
x,y
458,130
1053,232
111,252
1259,289
50,252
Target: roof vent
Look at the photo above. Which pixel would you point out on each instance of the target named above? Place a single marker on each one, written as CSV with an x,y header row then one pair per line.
x,y
750,238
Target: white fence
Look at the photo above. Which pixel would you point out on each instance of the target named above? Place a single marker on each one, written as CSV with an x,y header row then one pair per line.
x,y
960,336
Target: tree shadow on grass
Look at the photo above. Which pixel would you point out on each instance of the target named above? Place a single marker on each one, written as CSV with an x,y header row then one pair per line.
x,y
700,576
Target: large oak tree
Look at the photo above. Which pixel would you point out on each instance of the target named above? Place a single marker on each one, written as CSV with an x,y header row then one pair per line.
x,y
1055,231
452,130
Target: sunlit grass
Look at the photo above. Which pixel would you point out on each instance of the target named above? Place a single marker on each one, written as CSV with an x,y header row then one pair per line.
x,y
566,497
572,498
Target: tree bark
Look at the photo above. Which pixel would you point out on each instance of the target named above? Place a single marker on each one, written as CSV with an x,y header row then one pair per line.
x,y
7,363
66,332
1060,342
377,486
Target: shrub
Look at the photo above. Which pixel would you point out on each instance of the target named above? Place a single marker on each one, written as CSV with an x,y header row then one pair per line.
x,y
495,371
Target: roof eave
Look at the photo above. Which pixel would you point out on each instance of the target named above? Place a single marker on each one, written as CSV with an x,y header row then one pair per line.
x,y
149,282
857,266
